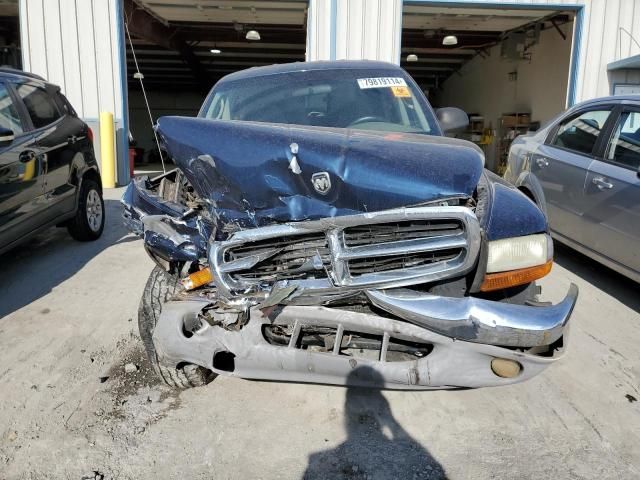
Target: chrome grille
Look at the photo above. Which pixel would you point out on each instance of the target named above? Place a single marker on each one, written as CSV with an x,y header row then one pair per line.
x,y
389,232
382,249
362,266
300,256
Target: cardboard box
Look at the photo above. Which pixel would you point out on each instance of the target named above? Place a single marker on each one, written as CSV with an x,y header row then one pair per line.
x,y
511,120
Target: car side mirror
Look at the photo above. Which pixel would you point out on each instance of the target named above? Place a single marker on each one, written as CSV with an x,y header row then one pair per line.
x,y
6,137
451,118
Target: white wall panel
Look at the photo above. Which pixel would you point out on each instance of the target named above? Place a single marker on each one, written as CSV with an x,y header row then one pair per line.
x,y
71,54
74,44
319,30
88,60
360,29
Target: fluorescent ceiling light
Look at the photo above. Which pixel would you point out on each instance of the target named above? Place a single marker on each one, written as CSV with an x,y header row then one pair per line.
x,y
253,35
412,57
450,40
215,51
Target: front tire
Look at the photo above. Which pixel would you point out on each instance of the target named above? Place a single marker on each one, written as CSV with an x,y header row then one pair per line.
x,y
161,286
88,223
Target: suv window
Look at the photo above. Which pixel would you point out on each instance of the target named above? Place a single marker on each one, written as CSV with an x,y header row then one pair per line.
x,y
9,117
41,107
580,133
624,148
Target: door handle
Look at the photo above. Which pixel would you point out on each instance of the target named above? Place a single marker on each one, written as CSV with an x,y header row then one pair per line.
x,y
27,156
542,162
601,183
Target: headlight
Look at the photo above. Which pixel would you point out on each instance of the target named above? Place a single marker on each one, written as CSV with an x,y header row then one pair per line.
x,y
517,261
519,252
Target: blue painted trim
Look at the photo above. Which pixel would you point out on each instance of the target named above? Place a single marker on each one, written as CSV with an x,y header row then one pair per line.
x,y
399,38
310,21
578,7
123,157
575,57
334,21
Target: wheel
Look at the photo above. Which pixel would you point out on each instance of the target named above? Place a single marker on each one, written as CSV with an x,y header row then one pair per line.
x,y
161,286
88,223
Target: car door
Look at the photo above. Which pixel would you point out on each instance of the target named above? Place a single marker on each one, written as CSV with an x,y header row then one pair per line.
x,y
561,166
22,203
612,191
56,135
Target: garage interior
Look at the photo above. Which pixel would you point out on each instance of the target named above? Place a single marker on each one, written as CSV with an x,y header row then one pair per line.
x,y
507,68
183,48
10,55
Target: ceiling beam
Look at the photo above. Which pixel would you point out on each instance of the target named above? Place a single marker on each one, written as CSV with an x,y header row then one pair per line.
x,y
144,25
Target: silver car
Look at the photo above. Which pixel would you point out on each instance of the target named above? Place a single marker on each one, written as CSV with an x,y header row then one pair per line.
x,y
582,169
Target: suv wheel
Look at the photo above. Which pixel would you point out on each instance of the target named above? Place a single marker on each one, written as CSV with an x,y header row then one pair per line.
x,y
88,222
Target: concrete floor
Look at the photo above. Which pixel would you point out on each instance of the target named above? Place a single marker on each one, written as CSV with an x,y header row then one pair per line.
x,y
68,410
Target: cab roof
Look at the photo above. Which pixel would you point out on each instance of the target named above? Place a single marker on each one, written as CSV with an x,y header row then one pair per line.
x,y
308,66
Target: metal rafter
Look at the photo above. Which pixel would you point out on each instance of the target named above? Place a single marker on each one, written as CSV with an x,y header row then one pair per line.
x,y
143,24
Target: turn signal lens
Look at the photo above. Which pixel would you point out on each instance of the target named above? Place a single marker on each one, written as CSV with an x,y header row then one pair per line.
x,y
197,279
512,278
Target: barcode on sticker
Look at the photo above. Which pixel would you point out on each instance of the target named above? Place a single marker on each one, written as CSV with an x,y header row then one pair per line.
x,y
381,82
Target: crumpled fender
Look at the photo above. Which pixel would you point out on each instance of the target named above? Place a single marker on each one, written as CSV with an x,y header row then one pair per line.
x,y
509,212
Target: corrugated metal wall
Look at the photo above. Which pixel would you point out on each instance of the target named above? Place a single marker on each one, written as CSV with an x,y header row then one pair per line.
x,y
354,29
370,29
75,44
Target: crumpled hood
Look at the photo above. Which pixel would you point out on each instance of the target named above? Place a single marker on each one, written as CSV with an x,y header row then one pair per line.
x,y
245,169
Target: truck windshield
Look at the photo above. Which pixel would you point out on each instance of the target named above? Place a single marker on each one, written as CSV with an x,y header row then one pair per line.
x,y
364,99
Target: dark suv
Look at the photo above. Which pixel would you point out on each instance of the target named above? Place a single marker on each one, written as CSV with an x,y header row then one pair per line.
x,y
48,171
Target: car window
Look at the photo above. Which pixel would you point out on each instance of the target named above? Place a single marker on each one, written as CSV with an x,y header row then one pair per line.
x,y
624,148
342,98
9,117
581,132
41,107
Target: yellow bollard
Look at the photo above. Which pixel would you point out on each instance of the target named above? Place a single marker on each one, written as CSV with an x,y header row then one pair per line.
x,y
107,152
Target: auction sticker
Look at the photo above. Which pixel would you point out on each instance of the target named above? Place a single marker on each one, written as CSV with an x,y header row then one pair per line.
x,y
402,92
381,82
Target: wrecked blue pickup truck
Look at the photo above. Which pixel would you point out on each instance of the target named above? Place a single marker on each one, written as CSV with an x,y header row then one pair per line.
x,y
318,221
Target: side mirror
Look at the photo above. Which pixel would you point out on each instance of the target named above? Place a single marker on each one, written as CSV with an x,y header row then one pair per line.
x,y
451,118
6,137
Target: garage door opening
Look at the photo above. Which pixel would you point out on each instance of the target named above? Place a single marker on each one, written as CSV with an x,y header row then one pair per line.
x,y
509,69
10,55
183,48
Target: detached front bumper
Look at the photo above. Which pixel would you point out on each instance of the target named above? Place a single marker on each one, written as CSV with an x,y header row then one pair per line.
x,y
462,337
480,321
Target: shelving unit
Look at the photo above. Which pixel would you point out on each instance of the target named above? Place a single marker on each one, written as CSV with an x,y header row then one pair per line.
x,y
511,125
476,127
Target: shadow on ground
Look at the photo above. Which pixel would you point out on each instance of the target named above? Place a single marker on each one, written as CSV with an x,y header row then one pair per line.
x,y
618,286
377,447
34,268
